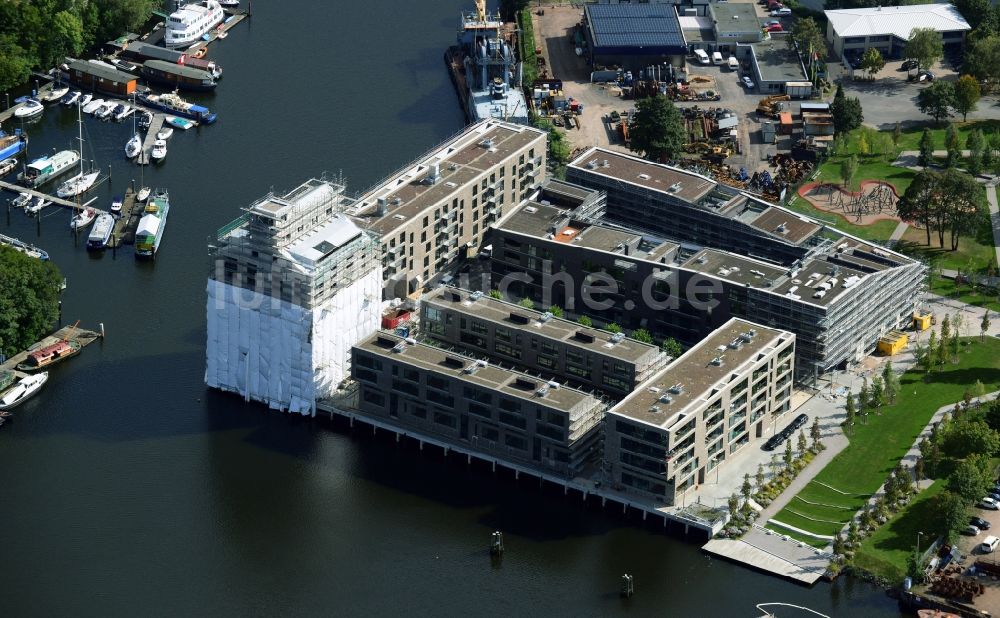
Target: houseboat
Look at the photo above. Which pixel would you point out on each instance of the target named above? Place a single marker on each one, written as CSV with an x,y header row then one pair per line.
x,y
177,76
150,231
44,169
100,234
50,355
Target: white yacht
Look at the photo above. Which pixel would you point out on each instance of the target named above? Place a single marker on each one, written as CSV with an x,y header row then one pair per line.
x,y
190,22
159,151
133,147
23,390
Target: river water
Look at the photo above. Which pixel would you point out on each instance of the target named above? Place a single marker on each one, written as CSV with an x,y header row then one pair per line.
x,y
129,488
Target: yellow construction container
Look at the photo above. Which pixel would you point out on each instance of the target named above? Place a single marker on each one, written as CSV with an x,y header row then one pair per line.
x,y
892,343
921,322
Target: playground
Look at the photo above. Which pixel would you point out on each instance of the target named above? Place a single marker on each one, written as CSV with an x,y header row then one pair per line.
x,y
875,201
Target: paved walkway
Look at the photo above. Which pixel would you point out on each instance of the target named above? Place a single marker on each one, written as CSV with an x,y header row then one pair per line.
x,y
991,197
835,441
897,234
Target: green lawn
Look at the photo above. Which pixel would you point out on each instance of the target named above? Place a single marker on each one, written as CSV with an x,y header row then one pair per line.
x,y
885,552
974,254
870,167
876,447
910,140
947,287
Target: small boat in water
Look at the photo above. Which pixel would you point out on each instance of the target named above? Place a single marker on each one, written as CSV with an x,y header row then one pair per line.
x,y
29,109
104,111
117,109
229,3
92,106
125,113
23,390
21,200
143,194
55,94
159,151
37,206
181,123
71,98
8,166
100,234
146,119
85,99
116,206
25,248
82,219
133,147
164,133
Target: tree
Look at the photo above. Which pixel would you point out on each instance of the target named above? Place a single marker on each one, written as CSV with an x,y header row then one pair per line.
x,y
527,303
847,113
952,145
969,437
982,58
65,38
657,130
936,100
897,134
852,532
877,396
746,489
976,144
851,413
984,325
918,469
890,383
992,416
584,321
815,433
807,37
968,481
974,11
788,454
863,399
759,477
29,299
556,311
932,351
926,150
802,443
494,293
925,46
613,328
672,347
848,168
872,61
864,146
952,514
964,206
839,548
15,65
642,335
946,327
733,503
966,95
954,347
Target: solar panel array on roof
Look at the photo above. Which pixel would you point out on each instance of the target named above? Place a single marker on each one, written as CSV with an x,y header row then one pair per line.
x,y
634,25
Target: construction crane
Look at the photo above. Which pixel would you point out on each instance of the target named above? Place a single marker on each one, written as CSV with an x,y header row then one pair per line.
x,y
71,330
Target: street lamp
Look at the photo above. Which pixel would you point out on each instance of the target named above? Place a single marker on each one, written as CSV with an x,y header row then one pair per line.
x,y
919,534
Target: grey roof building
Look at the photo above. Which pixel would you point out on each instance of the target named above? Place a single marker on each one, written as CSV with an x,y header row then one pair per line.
x,y
735,22
634,35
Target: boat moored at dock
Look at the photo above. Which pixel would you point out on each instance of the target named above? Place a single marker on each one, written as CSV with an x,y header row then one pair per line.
x,y
50,355
189,23
44,169
25,389
11,145
172,103
29,109
100,234
181,123
55,94
25,248
149,234
177,76
82,218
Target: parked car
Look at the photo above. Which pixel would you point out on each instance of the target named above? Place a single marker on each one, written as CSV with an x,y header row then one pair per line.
x,y
909,65
782,12
925,76
989,503
995,495
989,545
799,421
774,28
748,82
772,22
970,530
980,523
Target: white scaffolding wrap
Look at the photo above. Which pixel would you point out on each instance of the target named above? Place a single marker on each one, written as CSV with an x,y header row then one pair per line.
x,y
282,354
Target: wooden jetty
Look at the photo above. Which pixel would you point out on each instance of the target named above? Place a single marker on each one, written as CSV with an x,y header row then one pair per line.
x,y
237,17
147,144
70,333
124,230
55,200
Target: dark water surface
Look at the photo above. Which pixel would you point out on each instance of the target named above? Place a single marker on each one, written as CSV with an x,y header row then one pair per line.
x,y
128,489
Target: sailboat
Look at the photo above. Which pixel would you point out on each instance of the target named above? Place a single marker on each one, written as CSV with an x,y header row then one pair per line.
x,y
82,182
134,145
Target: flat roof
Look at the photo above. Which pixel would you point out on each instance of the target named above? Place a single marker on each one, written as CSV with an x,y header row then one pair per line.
x,y
177,69
733,267
696,375
306,195
815,276
325,239
634,25
735,17
462,159
104,72
775,61
499,311
505,381
780,223
898,21
684,185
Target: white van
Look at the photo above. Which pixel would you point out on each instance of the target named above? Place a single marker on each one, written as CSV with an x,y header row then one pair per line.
x,y
734,64
717,58
701,56
989,544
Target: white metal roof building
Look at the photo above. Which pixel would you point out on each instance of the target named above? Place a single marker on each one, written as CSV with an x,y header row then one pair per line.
x,y
887,28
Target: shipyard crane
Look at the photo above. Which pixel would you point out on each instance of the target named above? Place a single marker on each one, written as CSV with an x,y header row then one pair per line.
x,y
71,330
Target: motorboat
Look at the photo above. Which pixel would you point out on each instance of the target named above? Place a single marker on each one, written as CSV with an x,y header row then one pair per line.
x,y
164,133
143,194
133,147
29,109
55,94
125,65
30,251
22,391
116,205
174,104
44,169
100,234
222,34
92,105
159,151
181,123
71,98
82,219
117,109
8,166
125,113
21,200
85,99
104,111
189,23
146,119
33,208
229,4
